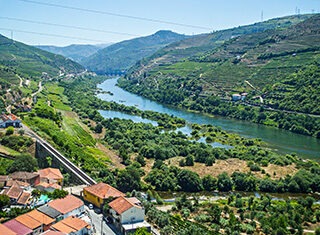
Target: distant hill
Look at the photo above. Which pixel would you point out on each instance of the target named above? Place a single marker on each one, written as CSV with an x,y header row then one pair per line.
x,y
20,61
74,52
198,44
121,56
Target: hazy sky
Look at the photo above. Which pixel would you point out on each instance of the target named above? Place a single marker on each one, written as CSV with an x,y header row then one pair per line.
x,y
211,14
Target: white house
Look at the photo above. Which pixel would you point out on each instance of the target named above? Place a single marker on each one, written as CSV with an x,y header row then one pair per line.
x,y
68,206
9,120
128,211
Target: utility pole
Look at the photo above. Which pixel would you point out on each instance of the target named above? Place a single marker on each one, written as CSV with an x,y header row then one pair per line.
x,y
261,15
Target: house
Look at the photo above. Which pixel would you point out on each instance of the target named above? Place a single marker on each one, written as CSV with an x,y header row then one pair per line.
x,y
45,220
23,185
31,223
68,206
13,192
31,178
3,180
24,198
128,211
9,120
6,231
98,194
51,175
72,225
43,186
18,228
51,212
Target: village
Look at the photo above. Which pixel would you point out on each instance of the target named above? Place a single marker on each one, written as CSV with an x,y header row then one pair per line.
x,y
72,214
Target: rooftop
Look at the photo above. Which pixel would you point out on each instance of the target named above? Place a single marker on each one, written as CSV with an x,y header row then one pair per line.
x,y
17,227
103,191
67,204
23,175
14,191
5,230
6,117
24,198
49,211
41,217
50,232
9,183
122,204
70,224
28,221
50,173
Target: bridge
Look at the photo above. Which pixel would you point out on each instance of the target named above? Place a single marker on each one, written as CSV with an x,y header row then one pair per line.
x,y
44,149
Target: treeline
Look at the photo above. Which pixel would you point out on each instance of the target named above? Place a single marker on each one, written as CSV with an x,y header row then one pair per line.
x,y
171,178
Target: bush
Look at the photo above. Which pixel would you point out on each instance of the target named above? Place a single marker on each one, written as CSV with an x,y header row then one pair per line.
x,y
10,130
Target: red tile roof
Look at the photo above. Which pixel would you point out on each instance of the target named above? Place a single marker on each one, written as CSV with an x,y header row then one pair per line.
x,y
10,116
23,175
67,204
28,221
24,198
122,204
17,227
103,191
9,183
42,218
14,191
50,173
6,231
75,223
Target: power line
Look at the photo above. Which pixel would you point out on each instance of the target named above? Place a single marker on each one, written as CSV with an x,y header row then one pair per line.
x,y
67,26
115,14
52,35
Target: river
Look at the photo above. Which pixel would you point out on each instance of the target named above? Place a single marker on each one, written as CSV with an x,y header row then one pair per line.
x,y
280,140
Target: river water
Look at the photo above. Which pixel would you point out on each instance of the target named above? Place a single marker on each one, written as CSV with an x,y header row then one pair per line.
x,y
280,140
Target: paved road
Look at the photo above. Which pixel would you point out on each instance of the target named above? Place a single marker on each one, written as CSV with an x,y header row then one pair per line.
x,y
96,220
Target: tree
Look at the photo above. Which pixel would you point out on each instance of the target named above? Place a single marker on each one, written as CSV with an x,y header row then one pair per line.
x,y
141,231
4,201
58,193
10,130
189,160
21,132
189,181
129,179
224,182
209,183
98,128
24,162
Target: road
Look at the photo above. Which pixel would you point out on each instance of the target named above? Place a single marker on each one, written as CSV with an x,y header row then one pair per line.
x,y
39,90
96,220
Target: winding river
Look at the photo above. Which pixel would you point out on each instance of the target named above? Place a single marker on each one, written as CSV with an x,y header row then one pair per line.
x,y
280,140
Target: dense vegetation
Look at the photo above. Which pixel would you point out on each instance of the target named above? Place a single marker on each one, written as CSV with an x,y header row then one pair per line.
x,y
206,81
237,214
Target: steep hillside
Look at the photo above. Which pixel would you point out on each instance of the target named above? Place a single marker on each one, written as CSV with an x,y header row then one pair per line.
x,y
266,65
121,56
206,42
23,66
74,52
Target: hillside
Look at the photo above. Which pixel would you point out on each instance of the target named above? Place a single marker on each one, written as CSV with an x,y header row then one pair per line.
x,y
121,56
74,52
206,42
23,66
266,65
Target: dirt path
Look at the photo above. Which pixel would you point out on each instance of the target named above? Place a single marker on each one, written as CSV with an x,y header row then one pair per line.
x,y
39,90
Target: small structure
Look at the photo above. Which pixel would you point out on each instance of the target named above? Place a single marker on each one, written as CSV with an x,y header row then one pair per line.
x,y
72,225
18,228
50,232
51,212
9,120
5,230
68,206
51,175
99,194
13,192
27,177
236,97
127,214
